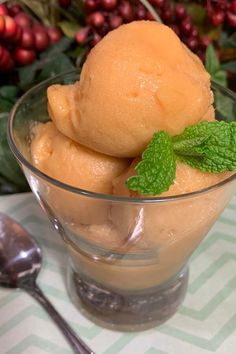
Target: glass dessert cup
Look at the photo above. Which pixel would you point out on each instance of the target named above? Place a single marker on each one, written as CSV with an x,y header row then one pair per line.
x,y
128,258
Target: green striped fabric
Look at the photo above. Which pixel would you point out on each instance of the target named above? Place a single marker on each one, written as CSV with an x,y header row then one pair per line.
x,y
205,323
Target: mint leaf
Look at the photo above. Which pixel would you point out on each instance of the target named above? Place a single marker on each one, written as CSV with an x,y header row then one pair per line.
x,y
208,146
156,170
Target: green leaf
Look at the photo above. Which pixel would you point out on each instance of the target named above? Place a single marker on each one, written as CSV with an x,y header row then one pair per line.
x,y
225,107
9,168
55,49
5,105
208,146
9,92
27,74
220,77
7,187
230,66
227,40
69,28
213,67
8,96
156,170
197,12
49,61
55,67
212,63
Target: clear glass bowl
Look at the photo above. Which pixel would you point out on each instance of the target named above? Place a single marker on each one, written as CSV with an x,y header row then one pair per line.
x,y
128,258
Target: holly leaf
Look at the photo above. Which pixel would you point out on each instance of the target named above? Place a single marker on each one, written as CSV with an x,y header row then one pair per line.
x,y
229,66
49,62
226,40
8,96
52,67
225,107
69,28
9,168
60,47
213,67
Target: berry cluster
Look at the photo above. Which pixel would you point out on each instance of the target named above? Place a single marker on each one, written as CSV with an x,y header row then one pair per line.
x,y
101,16
21,38
222,12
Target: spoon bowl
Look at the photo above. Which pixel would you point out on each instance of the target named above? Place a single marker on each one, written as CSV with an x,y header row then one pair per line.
x,y
20,263
20,256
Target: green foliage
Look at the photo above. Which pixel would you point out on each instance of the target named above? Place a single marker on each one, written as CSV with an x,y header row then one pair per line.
x,y
156,170
11,176
212,65
208,146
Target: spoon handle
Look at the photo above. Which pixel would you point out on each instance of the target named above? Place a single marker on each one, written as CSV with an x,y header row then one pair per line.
x,y
79,347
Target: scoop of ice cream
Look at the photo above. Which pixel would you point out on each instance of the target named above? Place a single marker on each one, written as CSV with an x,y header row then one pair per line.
x,y
176,227
138,79
68,162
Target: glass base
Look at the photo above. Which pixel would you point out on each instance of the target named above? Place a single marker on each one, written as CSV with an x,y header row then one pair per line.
x,y
122,310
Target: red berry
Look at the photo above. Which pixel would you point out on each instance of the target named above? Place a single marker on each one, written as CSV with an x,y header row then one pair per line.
x,y
126,11
2,25
231,17
91,5
180,11
24,56
175,29
5,56
158,3
17,36
14,9
233,6
64,3
54,34
27,38
108,4
41,39
10,27
23,20
192,43
222,4
115,21
194,32
37,26
3,10
201,55
9,64
217,18
205,42
150,17
104,29
96,19
96,39
186,26
140,13
82,35
167,15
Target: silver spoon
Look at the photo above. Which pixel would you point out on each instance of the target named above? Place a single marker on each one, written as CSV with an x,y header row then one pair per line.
x,y
20,263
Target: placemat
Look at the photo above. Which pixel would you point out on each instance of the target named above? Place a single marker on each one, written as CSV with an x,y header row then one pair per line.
x,y
205,323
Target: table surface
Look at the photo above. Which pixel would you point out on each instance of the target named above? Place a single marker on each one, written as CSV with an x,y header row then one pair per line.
x,y
205,323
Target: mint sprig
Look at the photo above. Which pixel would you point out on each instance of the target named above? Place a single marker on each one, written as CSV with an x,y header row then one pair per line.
x,y
156,170
208,146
